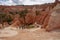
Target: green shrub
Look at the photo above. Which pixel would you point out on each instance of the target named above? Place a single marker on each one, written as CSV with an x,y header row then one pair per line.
x,y
30,26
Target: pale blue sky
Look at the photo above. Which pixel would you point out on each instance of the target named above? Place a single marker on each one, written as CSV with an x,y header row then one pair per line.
x,y
24,2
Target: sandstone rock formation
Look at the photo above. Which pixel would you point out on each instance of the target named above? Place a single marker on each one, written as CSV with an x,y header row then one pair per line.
x,y
54,20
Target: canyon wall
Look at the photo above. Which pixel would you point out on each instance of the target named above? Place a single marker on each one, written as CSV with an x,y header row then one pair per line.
x,y
21,15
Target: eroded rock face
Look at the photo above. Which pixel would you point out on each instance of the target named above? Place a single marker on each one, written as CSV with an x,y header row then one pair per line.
x,y
16,21
30,18
5,24
0,25
54,21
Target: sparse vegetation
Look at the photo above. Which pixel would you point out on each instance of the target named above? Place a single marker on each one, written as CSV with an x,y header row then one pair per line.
x,y
30,26
37,12
5,18
2,17
9,19
23,13
11,13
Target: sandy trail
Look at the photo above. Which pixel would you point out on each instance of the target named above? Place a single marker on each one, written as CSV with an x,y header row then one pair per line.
x,y
39,34
8,32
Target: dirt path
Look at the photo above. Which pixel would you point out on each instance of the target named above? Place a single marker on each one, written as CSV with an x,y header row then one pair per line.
x,y
39,34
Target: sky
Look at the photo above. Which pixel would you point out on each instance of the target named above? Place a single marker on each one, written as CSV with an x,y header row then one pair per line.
x,y
24,2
